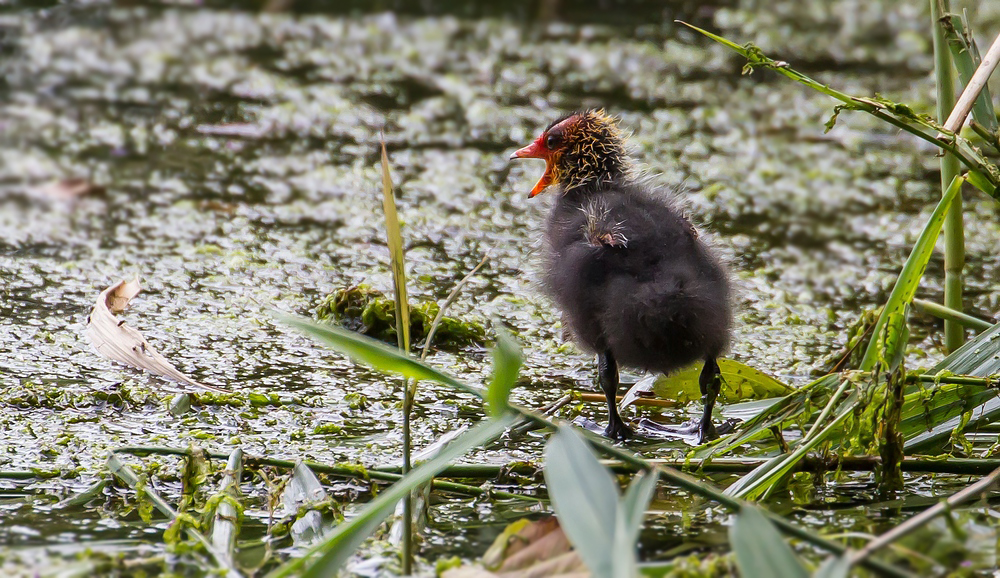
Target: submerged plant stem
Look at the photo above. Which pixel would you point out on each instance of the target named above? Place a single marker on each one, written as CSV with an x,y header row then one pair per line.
x,y
957,466
347,471
976,490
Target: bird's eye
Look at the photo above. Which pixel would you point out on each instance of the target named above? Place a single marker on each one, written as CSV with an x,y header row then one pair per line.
x,y
552,141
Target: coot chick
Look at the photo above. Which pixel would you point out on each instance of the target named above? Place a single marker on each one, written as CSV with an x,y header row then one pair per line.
x,y
634,282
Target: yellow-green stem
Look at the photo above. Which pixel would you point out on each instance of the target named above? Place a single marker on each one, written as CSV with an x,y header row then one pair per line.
x,y
397,263
408,499
954,234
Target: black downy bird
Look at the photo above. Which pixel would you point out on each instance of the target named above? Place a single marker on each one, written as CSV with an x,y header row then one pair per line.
x,y
634,282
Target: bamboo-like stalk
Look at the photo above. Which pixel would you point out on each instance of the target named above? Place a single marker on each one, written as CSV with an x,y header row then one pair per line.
x,y
948,314
954,233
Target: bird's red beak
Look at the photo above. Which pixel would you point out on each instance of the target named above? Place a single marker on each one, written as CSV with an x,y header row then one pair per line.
x,y
536,151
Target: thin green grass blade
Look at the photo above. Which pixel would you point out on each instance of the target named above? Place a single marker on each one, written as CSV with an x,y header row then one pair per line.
x,y
327,557
946,313
397,263
374,353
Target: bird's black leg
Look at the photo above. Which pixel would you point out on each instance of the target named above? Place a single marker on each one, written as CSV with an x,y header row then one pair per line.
x,y
607,370
710,381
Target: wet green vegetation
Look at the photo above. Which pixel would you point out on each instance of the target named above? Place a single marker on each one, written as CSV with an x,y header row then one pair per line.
x,y
238,156
368,311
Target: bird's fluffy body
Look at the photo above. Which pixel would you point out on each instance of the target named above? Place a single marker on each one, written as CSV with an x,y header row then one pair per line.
x,y
632,276
635,283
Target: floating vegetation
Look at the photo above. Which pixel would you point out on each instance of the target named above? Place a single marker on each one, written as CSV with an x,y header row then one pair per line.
x,y
368,311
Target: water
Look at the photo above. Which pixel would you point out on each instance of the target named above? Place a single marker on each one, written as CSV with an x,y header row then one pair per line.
x,y
238,152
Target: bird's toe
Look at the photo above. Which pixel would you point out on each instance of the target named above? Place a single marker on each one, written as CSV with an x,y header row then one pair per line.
x,y
618,431
707,432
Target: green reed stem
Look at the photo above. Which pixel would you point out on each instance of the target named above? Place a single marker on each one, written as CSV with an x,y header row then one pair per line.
x,y
954,229
397,262
942,312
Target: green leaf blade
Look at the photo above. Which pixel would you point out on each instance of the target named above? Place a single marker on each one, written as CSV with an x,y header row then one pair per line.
x,y
397,259
928,423
740,382
507,361
834,567
760,549
633,505
906,285
374,353
585,498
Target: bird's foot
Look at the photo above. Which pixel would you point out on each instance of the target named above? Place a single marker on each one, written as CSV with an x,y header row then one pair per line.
x,y
707,432
618,431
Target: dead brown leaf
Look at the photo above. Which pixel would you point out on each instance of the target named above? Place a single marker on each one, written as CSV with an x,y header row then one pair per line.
x,y
119,342
527,550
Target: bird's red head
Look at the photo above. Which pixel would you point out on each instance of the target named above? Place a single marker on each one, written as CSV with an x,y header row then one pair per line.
x,y
579,149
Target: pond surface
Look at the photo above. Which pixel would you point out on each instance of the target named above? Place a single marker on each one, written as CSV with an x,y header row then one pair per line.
x,y
237,152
